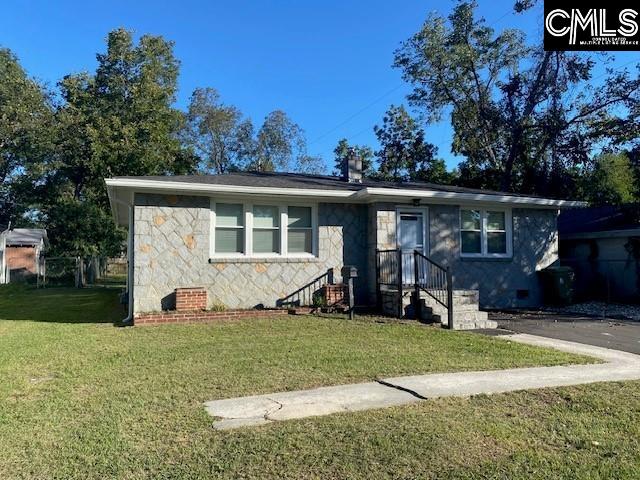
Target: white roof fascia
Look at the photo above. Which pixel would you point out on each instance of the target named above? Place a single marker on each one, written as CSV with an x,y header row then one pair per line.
x,y
368,194
374,193
161,185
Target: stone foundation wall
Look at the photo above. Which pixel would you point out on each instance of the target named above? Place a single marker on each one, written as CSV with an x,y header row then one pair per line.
x,y
171,250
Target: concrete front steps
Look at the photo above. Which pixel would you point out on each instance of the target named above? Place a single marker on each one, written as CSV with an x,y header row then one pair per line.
x,y
466,312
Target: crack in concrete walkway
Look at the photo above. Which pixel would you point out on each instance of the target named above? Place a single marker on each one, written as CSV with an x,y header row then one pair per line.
x,y
387,392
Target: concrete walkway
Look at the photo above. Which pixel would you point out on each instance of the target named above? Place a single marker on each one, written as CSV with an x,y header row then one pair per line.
x,y
261,409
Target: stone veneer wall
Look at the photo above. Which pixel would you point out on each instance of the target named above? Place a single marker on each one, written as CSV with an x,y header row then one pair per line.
x,y
535,246
171,250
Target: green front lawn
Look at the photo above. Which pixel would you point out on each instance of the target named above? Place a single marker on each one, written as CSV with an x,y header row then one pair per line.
x,y
61,304
88,400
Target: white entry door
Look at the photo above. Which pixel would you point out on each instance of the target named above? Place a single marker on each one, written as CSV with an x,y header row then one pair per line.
x,y
412,236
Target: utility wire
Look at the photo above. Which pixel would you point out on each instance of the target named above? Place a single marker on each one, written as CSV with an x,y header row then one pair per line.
x,y
382,97
351,117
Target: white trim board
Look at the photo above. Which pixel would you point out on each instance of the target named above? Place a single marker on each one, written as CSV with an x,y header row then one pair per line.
x,y
121,190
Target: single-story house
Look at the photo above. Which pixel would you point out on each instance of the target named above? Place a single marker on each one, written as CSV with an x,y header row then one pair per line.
x,y
258,239
23,248
602,245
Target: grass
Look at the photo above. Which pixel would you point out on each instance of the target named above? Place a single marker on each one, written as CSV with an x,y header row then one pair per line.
x,y
80,399
60,304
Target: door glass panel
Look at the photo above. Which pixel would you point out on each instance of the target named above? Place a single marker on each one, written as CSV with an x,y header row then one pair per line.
x,y
411,238
411,234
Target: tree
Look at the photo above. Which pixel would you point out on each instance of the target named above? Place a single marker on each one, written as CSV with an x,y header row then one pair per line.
x,y
611,181
25,134
280,145
342,152
81,228
525,119
216,132
404,154
119,121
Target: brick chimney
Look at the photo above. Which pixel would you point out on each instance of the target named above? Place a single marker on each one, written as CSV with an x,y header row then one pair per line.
x,y
352,168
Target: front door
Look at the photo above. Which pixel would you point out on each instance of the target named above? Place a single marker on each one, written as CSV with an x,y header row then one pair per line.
x,y
411,236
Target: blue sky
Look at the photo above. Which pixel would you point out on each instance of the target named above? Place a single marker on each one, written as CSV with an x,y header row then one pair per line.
x,y
327,64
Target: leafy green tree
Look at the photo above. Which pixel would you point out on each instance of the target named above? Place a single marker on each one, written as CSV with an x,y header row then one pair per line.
x,y
525,119
120,121
342,152
404,154
81,228
280,145
25,134
216,132
611,181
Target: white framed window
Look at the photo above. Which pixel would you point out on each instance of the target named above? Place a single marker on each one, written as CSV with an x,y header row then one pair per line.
x,y
266,229
486,232
262,229
299,230
229,230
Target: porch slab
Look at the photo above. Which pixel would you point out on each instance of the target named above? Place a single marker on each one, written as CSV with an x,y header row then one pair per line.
x,y
262,409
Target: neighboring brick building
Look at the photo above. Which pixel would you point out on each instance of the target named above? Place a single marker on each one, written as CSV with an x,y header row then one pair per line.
x,y
22,250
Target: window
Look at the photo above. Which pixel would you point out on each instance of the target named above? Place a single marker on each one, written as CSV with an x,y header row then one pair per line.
x,y
229,231
261,230
299,230
266,230
485,233
471,231
496,233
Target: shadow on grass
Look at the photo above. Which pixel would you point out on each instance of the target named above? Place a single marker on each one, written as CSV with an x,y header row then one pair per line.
x,y
60,304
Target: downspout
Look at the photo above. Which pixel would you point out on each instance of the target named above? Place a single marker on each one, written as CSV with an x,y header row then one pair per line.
x,y
128,321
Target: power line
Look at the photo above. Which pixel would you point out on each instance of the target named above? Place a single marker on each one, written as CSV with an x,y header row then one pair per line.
x,y
351,117
382,97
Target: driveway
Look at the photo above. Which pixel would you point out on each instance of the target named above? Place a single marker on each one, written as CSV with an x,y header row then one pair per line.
x,y
609,333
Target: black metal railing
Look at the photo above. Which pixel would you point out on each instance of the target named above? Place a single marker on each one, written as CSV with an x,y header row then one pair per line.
x,y
308,295
397,269
436,281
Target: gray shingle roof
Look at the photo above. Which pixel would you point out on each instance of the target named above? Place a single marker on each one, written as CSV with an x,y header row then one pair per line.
x,y
298,180
26,236
599,219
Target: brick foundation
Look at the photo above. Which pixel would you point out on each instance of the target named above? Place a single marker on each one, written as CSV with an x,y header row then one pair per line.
x,y
203,316
335,294
189,299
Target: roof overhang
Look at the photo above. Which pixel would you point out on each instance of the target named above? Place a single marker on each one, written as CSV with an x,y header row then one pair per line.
x,y
121,195
629,232
438,196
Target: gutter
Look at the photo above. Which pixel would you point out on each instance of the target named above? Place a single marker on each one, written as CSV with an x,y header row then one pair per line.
x,y
128,321
163,186
457,197
365,195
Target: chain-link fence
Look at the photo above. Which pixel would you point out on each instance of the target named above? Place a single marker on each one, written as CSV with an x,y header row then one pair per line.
x,y
80,272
